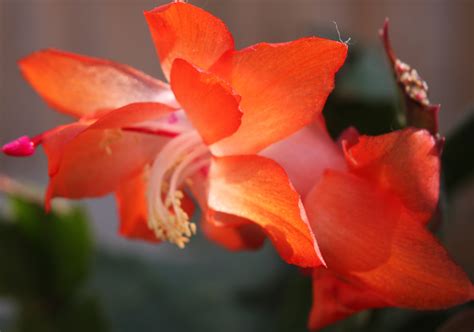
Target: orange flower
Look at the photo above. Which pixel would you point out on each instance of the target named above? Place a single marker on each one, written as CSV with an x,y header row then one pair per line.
x,y
370,222
145,140
368,201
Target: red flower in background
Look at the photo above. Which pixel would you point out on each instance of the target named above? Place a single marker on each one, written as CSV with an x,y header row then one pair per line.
x,y
133,138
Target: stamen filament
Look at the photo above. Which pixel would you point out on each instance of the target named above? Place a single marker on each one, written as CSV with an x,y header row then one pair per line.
x,y
164,161
200,151
176,161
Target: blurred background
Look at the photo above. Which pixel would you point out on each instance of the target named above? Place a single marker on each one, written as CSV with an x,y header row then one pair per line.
x,y
134,286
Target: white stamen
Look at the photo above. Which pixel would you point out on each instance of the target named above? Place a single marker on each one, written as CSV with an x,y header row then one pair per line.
x,y
196,166
200,151
176,161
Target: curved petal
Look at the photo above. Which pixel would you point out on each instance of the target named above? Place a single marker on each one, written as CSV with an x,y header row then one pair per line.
x,y
258,189
79,85
405,162
181,30
283,88
335,299
209,102
127,116
229,231
55,140
91,160
367,236
232,232
133,210
305,155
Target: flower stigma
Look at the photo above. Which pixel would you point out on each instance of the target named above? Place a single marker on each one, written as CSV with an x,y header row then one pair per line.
x,y
20,147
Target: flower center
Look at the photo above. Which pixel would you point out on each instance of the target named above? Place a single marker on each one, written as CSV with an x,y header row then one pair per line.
x,y
179,159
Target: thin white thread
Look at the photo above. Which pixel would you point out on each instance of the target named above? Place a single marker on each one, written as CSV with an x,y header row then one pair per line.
x,y
339,35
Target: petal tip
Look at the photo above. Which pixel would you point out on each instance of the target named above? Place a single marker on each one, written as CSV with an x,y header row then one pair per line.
x,y
154,10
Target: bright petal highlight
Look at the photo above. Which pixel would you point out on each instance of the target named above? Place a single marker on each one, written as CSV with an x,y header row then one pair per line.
x,y
210,103
79,85
258,189
273,79
181,30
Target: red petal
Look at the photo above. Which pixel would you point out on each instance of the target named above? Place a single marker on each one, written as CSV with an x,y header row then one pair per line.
x,y
229,231
405,162
232,232
367,236
181,30
87,169
54,142
283,88
209,102
91,160
335,299
133,209
80,85
258,189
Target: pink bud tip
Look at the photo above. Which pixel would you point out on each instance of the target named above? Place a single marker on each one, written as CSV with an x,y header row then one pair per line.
x,y
21,147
